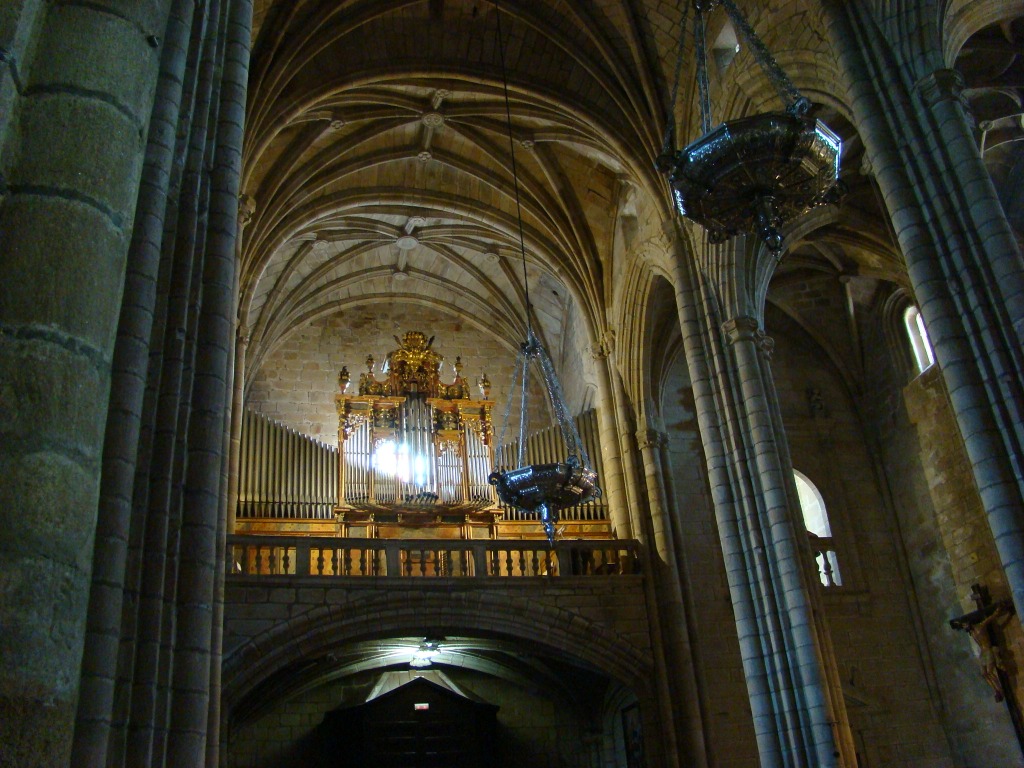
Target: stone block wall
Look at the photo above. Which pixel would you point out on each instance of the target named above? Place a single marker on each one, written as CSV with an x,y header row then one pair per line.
x,y
297,382
913,693
948,542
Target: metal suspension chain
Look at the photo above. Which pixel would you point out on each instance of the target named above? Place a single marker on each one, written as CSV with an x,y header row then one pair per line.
x,y
515,174
795,103
668,145
524,413
700,52
570,435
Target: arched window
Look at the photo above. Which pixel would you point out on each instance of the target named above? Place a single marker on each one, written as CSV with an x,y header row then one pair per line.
x,y
918,336
819,530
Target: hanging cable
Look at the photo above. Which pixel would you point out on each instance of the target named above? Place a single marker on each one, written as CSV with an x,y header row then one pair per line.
x,y
668,145
515,175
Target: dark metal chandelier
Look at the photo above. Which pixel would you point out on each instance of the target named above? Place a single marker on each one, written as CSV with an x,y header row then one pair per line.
x,y
539,488
757,173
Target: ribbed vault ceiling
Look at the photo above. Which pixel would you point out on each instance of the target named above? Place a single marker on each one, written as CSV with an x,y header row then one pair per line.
x,y
378,166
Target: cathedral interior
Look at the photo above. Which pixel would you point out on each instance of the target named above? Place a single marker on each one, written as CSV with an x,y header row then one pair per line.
x,y
293,292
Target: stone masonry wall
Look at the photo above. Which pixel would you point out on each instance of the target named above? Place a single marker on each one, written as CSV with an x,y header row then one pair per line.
x,y
947,540
297,382
889,697
258,607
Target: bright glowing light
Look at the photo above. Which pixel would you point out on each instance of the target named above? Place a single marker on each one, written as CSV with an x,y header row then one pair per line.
x,y
398,460
385,458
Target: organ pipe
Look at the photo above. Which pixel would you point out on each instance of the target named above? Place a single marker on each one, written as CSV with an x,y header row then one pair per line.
x,y
284,473
545,447
435,436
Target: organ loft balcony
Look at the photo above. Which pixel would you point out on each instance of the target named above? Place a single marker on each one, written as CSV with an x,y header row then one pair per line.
x,y
404,493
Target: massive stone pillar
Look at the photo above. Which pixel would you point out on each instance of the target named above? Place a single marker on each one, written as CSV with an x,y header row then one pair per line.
x,y
73,146
150,672
797,707
964,263
672,605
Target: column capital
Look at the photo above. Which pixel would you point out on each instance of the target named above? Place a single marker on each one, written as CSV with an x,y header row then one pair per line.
x,y
940,85
650,438
747,329
246,209
741,329
604,347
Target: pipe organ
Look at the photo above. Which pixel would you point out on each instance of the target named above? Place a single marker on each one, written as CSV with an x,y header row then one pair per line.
x,y
412,447
412,460
284,475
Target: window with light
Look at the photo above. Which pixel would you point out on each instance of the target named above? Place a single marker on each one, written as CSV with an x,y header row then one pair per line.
x,y
918,336
812,505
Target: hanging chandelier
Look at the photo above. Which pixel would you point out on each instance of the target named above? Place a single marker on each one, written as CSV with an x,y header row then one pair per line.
x,y
754,174
538,488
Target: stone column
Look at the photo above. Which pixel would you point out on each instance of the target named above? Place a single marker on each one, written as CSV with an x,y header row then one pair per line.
x,y
66,217
671,607
200,558
799,716
964,263
124,419
246,208
611,483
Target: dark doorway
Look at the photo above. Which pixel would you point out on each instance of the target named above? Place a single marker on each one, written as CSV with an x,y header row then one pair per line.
x,y
419,725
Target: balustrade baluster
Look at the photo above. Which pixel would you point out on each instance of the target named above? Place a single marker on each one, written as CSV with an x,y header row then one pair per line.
x,y
826,569
434,559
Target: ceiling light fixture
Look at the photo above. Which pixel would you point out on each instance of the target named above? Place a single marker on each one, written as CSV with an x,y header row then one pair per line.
x,y
757,173
426,653
540,488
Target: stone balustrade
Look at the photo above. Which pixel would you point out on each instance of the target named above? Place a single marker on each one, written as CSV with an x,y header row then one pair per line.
x,y
250,557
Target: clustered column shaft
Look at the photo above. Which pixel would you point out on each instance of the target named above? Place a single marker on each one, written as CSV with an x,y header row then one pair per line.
x,y
150,678
73,150
798,719
964,263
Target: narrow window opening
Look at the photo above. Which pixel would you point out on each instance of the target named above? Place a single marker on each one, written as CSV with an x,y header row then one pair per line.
x,y
725,47
819,530
918,336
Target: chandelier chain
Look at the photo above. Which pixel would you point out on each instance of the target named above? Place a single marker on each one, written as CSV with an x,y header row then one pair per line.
x,y
515,175
670,119
787,91
700,52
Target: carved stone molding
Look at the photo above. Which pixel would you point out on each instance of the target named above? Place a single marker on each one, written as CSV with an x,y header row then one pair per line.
x,y
748,329
246,209
604,347
650,438
741,329
941,85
